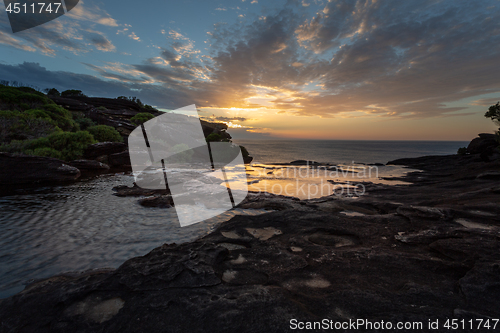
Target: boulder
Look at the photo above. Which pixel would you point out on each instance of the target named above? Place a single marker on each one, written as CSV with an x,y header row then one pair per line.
x,y
162,201
119,159
247,159
89,165
136,191
104,148
22,169
482,143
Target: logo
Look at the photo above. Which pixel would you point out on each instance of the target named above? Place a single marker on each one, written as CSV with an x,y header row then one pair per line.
x,y
28,14
204,179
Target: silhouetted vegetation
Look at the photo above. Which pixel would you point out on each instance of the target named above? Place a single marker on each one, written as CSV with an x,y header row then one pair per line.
x,y
73,93
136,101
53,92
494,114
462,151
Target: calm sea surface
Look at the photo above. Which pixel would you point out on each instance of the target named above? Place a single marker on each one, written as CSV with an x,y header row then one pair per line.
x,y
83,226
345,152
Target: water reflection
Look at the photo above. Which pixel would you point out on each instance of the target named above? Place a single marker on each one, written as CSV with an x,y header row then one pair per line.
x,y
83,226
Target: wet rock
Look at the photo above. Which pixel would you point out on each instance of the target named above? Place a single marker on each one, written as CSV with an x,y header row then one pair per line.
x,y
119,159
104,148
421,212
162,201
136,191
89,165
247,159
304,162
22,169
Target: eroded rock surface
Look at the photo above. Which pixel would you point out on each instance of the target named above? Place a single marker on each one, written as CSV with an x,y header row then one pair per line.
x,y
31,170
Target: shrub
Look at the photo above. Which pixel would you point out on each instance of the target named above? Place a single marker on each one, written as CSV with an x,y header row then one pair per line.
x,y
45,152
21,98
104,133
462,151
84,123
15,146
15,125
62,117
26,99
213,137
141,118
71,145
64,145
53,92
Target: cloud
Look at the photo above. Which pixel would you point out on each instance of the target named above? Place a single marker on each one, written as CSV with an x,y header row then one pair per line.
x,y
134,37
93,14
352,58
100,42
64,33
225,119
93,86
486,101
181,44
14,42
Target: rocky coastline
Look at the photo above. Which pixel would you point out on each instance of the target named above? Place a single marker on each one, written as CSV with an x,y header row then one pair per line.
x,y
21,170
418,253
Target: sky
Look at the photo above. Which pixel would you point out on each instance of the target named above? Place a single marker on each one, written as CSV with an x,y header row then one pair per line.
x,y
307,69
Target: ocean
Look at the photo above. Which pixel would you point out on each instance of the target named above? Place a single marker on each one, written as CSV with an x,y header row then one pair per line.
x,y
344,151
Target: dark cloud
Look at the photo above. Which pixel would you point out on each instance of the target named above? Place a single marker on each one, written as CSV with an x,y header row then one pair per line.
x,y
35,74
221,118
101,42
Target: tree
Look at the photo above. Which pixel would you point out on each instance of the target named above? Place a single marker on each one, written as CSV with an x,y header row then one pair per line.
x,y
494,113
53,92
73,93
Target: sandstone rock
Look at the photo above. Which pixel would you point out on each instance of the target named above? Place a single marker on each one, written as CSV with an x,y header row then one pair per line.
x,y
89,165
408,260
119,159
104,148
481,143
136,191
17,169
162,201
247,159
